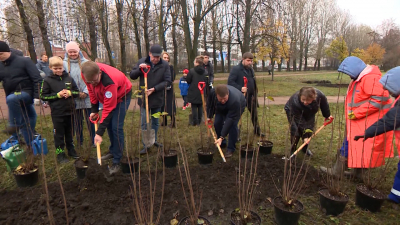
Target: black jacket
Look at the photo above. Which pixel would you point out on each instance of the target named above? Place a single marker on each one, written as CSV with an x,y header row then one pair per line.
x,y
53,84
232,109
20,74
210,72
236,80
159,77
302,116
170,103
195,75
390,121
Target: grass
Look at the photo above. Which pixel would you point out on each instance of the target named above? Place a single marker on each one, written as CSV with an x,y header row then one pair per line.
x,y
190,137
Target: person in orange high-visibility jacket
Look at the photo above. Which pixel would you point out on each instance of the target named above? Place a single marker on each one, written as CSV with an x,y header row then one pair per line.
x,y
390,122
366,102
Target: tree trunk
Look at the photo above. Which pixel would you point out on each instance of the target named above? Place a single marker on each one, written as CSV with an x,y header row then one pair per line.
x,y
161,26
263,65
186,31
120,5
288,65
222,55
301,55
294,65
214,38
103,16
133,10
146,11
174,41
229,48
92,29
43,28
246,31
205,35
319,64
27,30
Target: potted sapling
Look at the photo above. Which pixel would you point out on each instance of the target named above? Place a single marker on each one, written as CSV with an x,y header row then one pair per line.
x,y
265,144
206,152
130,163
169,155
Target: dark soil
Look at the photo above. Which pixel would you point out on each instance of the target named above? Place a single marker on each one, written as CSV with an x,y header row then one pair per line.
x,y
266,143
186,221
126,161
253,219
81,164
100,199
374,193
295,206
340,197
171,152
206,151
25,169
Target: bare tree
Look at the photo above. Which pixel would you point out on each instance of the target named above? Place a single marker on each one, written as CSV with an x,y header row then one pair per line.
x,y
135,20
102,10
92,28
43,27
27,29
120,5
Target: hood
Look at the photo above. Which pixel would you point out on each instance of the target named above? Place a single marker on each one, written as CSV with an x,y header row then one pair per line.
x,y
391,81
80,56
352,66
199,69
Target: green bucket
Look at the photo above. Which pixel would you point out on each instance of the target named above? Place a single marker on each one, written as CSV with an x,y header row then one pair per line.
x,y
14,156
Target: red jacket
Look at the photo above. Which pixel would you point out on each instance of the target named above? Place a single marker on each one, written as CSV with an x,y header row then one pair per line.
x,y
369,102
111,90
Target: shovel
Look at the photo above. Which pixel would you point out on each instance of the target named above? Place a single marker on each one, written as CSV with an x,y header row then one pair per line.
x,y
149,135
240,121
305,143
201,87
96,126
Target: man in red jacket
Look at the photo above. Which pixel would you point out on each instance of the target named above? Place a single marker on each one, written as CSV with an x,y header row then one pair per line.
x,y
112,88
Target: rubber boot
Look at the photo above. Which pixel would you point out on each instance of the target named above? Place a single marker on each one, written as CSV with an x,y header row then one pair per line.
x,y
338,168
356,173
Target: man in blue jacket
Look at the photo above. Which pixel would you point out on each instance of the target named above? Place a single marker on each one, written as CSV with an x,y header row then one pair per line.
x,y
158,78
228,104
21,83
43,64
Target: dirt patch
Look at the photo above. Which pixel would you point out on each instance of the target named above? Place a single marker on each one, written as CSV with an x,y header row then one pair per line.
x,y
100,199
325,83
374,193
340,197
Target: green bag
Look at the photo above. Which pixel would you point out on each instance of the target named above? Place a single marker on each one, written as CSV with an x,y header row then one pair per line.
x,y
14,156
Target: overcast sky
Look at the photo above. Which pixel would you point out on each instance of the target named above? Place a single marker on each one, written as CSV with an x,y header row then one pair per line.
x,y
372,12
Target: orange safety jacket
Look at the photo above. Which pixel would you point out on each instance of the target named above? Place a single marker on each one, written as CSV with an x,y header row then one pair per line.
x,y
369,102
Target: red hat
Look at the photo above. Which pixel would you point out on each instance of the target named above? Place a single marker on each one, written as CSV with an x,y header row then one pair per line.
x,y
185,71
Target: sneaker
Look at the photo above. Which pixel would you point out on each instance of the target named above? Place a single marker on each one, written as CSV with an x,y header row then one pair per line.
x,y
309,152
188,105
114,168
158,144
107,156
62,158
72,153
184,108
143,151
228,154
10,130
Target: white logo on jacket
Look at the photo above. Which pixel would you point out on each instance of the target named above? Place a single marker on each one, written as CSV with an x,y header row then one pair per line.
x,y
108,94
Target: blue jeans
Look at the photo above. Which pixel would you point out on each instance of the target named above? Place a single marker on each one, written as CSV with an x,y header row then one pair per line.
x,y
345,148
22,114
154,121
80,115
115,128
233,132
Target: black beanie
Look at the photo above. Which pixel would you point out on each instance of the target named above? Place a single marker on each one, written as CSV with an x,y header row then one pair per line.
x,y
4,47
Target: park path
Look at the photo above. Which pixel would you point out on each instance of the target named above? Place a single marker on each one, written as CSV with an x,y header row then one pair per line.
x,y
280,100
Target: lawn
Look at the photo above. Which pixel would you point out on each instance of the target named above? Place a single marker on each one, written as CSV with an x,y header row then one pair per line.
x,y
324,147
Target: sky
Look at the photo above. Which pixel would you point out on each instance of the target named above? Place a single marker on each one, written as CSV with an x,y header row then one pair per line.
x,y
372,12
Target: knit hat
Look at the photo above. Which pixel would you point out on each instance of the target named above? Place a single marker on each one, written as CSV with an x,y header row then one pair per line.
x,y
72,45
185,71
4,47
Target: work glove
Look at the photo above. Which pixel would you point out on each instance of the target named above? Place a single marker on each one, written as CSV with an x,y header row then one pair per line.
x,y
36,101
360,136
211,85
351,116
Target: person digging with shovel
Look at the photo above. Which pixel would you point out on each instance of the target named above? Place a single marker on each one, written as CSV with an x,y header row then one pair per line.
x,y
301,110
389,122
159,77
228,105
113,89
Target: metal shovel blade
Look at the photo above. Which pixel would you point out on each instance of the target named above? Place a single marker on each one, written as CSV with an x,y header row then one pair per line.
x,y
149,137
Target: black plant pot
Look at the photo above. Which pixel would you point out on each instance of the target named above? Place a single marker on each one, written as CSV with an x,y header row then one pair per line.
x,y
367,202
171,159
254,215
27,179
331,206
81,167
285,217
128,165
266,147
183,221
250,151
205,157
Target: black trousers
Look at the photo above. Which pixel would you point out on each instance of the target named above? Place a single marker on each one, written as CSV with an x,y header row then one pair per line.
x,y
63,133
295,138
252,107
197,113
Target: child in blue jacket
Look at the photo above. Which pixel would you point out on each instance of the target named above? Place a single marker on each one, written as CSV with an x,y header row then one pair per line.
x,y
184,86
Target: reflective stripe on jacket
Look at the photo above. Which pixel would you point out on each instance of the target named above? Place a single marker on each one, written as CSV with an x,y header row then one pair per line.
x,y
368,101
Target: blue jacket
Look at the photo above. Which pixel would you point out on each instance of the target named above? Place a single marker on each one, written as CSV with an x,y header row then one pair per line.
x,y
44,67
184,86
352,66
